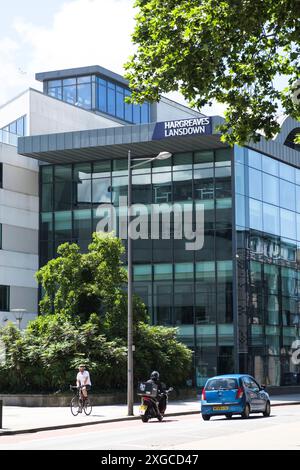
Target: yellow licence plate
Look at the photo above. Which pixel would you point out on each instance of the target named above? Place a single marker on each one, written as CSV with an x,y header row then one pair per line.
x,y
220,408
142,409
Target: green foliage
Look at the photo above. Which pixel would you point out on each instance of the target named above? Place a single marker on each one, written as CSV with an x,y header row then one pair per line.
x,y
229,50
81,284
85,320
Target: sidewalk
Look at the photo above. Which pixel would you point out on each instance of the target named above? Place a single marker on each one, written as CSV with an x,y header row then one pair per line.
x,y
17,419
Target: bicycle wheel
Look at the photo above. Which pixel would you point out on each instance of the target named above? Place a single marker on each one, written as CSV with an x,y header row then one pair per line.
x,y
87,406
75,406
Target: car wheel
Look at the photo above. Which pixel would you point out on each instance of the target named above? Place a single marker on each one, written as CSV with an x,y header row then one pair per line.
x,y
206,417
246,412
228,415
267,411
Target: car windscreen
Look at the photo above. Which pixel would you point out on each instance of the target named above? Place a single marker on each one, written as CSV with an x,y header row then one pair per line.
x,y
221,384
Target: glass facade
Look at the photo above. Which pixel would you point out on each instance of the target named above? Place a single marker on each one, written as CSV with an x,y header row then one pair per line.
x,y
234,301
188,289
99,94
10,133
268,240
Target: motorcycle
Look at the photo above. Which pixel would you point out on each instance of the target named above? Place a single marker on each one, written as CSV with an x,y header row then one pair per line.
x,y
154,407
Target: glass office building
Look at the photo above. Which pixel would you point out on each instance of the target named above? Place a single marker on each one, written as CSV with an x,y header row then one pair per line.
x,y
96,92
235,301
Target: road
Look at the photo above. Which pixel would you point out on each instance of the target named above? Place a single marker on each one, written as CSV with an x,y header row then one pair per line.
x,y
279,431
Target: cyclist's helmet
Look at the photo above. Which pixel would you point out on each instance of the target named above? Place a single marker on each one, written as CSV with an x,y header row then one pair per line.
x,y
154,376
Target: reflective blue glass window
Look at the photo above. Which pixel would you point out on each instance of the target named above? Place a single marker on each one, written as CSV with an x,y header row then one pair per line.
x,y
269,165
69,94
111,98
240,210
69,81
255,214
21,126
271,219
239,178
55,93
136,113
297,176
102,95
254,159
297,198
144,113
287,195
255,183
120,102
128,108
85,79
270,189
84,96
239,154
288,224
13,127
298,227
287,172
54,83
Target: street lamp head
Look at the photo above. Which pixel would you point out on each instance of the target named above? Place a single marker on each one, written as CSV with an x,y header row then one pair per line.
x,y
163,156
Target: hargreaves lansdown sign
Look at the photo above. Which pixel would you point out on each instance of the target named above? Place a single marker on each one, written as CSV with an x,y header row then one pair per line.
x,y
182,127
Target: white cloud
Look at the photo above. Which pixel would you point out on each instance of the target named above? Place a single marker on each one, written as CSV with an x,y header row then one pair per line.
x,y
83,32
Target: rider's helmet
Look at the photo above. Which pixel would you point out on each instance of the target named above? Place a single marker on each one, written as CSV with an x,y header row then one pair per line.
x,y
154,376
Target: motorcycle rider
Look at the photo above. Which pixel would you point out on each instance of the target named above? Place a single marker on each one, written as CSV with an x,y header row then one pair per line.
x,y
161,400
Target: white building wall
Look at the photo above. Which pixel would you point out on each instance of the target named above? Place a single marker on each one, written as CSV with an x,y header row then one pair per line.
x,y
168,110
14,109
19,217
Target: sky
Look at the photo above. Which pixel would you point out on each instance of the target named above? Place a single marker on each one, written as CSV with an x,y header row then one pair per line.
x,y
40,36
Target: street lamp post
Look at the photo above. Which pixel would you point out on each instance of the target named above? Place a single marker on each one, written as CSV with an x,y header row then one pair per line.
x,y
130,346
18,312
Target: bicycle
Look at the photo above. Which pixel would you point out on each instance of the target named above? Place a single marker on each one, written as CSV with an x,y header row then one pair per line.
x,y
79,402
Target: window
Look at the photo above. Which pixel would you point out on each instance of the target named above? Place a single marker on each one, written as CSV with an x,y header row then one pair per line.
x,y
287,195
0,236
254,159
287,172
270,189
255,214
4,298
84,96
1,175
17,127
271,219
269,165
288,224
255,184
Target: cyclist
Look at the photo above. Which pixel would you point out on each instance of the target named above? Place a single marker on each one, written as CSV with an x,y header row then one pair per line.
x,y
83,380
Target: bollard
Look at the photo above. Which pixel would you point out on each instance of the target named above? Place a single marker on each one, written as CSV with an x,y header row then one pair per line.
x,y
1,407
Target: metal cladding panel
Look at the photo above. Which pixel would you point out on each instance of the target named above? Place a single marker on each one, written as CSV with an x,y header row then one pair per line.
x,y
98,144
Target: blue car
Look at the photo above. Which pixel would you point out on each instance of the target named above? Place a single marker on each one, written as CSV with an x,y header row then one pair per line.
x,y
234,394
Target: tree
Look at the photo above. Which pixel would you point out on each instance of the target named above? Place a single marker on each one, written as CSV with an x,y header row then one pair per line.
x,y
85,320
229,50
81,284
